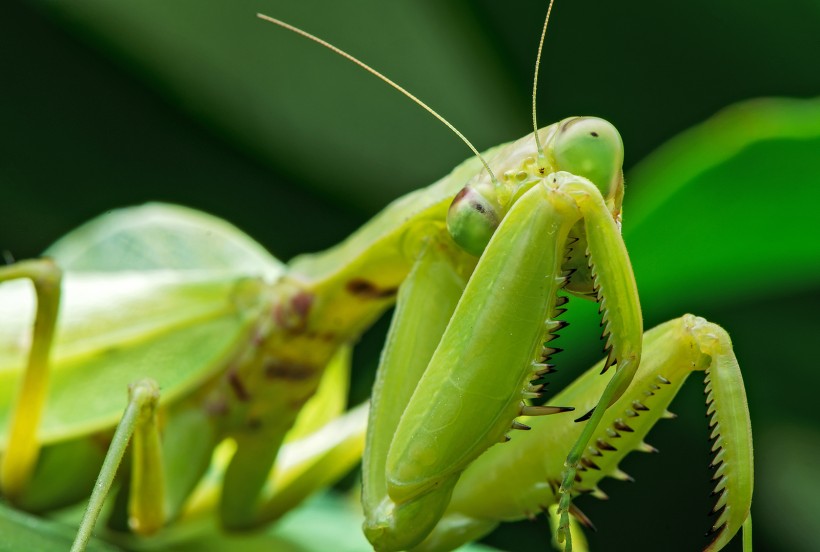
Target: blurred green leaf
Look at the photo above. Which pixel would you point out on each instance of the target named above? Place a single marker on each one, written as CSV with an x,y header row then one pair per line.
x,y
728,209
247,78
21,531
789,457
722,221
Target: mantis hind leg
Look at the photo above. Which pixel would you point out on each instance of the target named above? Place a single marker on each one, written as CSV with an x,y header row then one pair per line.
x,y
22,449
614,286
146,510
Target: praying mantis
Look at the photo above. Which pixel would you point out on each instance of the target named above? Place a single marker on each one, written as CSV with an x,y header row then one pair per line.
x,y
320,303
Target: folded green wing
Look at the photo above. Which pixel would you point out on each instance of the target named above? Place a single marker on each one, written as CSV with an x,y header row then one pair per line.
x,y
156,291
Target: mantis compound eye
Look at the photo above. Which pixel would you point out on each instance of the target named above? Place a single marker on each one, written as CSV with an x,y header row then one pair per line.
x,y
471,220
592,148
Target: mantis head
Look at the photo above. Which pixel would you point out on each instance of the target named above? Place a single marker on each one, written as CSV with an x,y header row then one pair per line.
x,y
592,148
584,146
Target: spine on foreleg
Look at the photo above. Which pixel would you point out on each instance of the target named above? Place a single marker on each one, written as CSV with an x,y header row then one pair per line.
x,y
517,480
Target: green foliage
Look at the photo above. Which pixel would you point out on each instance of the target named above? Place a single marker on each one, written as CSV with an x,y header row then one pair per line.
x,y
25,532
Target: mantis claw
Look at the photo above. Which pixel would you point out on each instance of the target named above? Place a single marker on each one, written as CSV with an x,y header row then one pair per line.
x,y
529,410
586,416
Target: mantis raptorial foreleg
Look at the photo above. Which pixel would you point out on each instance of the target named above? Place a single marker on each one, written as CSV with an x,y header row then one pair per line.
x,y
521,478
617,293
494,347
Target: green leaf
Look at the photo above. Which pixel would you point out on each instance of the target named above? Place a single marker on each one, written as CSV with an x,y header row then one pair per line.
x,y
789,456
728,209
21,531
246,78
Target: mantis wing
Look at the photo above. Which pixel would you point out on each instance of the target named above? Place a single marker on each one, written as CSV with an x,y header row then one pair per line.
x,y
147,289
154,291
158,236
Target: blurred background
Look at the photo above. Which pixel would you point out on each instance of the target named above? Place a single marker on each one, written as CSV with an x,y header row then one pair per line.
x,y
109,104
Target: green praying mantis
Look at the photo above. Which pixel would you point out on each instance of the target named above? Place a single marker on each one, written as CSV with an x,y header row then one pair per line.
x,y
479,263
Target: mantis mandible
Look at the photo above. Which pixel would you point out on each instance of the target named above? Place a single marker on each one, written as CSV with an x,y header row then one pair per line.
x,y
489,251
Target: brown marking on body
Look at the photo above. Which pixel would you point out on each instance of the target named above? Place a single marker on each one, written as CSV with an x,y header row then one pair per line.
x,y
238,387
326,336
457,200
216,407
368,290
293,313
279,315
286,370
296,404
301,303
461,193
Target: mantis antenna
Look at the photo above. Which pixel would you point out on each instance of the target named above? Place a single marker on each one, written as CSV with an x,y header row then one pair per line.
x,y
535,80
385,79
